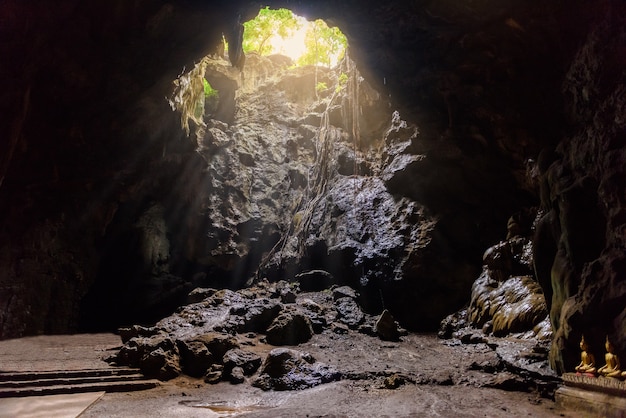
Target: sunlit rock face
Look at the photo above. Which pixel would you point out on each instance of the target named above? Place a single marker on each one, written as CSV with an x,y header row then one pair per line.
x,y
291,189
94,162
257,167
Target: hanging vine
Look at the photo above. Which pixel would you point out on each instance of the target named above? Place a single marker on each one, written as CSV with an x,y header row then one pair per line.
x,y
188,96
323,169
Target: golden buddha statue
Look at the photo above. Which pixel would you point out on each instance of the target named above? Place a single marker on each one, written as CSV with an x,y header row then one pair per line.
x,y
612,367
587,360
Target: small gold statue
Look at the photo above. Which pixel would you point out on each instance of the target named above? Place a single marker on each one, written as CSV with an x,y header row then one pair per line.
x,y
612,367
587,361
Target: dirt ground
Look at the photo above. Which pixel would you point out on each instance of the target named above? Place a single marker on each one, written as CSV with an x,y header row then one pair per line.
x,y
439,381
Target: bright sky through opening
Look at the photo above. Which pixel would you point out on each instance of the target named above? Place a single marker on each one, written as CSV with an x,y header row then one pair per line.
x,y
293,46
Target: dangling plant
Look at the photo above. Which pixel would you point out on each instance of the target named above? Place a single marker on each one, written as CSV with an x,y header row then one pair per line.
x,y
341,82
324,168
189,95
209,91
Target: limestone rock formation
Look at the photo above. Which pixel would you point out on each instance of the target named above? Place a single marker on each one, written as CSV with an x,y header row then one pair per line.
x,y
247,361
506,298
516,305
387,327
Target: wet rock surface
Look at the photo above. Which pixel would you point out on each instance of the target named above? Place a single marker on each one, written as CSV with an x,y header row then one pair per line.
x,y
286,369
507,298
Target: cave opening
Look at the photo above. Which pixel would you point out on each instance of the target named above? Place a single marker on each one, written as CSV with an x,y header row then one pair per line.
x,y
296,84
291,168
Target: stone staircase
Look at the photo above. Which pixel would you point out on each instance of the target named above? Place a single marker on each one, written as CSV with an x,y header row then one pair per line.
x,y
36,383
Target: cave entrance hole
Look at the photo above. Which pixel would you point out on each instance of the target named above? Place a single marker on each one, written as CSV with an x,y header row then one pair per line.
x,y
288,40
280,63
227,234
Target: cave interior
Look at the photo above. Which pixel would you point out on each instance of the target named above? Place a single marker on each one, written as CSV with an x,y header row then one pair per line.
x,y
473,118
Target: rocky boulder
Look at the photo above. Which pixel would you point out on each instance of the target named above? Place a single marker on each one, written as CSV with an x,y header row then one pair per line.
x,y
349,312
286,369
387,328
290,328
315,280
195,357
160,364
247,361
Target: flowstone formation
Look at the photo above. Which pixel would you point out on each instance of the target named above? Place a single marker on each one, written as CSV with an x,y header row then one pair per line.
x,y
507,303
506,299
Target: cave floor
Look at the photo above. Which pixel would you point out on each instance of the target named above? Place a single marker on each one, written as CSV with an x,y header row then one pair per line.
x,y
439,381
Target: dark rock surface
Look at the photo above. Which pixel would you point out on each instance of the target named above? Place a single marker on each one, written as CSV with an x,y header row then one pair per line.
x,y
203,338
290,328
378,351
195,357
315,280
248,362
286,369
349,312
387,327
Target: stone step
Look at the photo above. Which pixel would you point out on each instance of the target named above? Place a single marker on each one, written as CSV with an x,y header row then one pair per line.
x,y
53,381
66,374
115,386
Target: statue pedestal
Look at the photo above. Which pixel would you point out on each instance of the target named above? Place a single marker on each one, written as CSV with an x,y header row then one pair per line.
x,y
596,396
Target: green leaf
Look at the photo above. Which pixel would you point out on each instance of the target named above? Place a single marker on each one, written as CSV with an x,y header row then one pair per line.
x,y
268,23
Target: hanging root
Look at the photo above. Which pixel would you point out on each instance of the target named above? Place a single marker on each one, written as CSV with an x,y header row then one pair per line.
x,y
322,170
188,96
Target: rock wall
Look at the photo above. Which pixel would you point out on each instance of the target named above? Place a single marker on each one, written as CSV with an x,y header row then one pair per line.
x,y
89,146
580,240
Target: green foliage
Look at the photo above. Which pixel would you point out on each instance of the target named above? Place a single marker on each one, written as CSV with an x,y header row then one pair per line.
x,y
322,44
320,87
267,24
209,91
211,97
341,82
